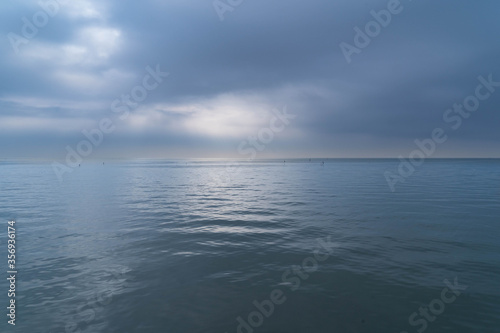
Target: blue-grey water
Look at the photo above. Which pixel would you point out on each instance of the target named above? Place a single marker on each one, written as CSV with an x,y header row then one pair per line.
x,y
188,246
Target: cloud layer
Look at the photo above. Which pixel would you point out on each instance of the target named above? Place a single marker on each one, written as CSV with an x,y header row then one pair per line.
x,y
62,69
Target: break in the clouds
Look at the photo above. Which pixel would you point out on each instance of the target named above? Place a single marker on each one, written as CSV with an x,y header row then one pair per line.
x,y
66,65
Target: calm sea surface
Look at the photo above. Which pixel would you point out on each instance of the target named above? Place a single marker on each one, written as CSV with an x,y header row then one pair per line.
x,y
192,246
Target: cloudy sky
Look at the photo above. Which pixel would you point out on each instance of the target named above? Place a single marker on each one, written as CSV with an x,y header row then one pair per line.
x,y
231,63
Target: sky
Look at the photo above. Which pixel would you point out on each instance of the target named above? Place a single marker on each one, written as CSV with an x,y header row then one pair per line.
x,y
248,78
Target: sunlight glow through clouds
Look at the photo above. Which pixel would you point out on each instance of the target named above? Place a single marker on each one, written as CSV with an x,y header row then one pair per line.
x,y
223,116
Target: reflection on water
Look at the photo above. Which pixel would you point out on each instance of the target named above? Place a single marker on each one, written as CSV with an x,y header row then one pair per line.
x,y
176,246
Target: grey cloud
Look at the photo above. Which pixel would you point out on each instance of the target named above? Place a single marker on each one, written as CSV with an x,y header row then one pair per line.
x,y
284,52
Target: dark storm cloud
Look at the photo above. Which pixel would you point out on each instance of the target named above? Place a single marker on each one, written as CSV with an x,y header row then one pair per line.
x,y
264,54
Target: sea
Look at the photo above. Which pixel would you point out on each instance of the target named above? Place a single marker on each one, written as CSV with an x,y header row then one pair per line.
x,y
226,246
